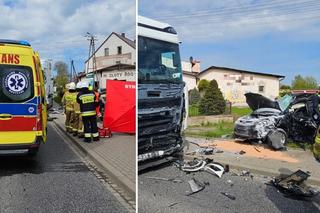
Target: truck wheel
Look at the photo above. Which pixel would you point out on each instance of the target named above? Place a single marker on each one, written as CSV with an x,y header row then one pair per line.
x,y
277,138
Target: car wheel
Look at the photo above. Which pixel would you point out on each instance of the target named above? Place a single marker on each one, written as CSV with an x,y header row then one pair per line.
x,y
277,139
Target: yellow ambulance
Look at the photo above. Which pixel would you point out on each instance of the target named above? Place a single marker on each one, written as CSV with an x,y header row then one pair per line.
x,y
23,115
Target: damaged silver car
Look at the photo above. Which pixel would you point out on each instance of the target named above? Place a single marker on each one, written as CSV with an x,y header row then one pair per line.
x,y
294,117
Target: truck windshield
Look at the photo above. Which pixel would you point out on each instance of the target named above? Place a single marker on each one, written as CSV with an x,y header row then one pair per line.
x,y
158,61
16,84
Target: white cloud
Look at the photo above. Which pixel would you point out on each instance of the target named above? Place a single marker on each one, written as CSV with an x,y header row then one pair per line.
x,y
206,20
56,28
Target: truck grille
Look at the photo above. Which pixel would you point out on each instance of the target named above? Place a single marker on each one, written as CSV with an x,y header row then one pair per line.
x,y
159,103
156,132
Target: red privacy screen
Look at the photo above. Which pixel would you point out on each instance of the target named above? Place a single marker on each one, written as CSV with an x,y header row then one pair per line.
x,y
120,109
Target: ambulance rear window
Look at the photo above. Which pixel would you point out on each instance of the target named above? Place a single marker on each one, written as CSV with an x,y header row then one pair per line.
x,y
16,84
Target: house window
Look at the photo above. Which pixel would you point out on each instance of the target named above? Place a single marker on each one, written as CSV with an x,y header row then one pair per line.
x,y
119,50
118,62
261,88
106,51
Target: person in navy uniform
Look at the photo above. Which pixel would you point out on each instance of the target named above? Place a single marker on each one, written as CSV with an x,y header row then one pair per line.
x,y
88,104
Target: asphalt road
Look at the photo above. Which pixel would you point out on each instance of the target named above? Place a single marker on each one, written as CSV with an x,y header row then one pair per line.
x,y
252,195
57,180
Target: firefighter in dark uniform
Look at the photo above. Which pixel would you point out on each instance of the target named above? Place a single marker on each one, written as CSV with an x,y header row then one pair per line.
x,y
88,104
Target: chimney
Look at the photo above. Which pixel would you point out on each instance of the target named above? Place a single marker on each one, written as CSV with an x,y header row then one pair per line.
x,y
123,35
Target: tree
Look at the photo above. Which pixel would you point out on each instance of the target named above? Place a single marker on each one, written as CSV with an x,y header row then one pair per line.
x,y
194,96
283,86
212,103
300,82
61,79
203,85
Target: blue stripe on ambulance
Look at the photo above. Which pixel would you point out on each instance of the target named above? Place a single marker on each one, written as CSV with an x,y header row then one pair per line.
x,y
34,100
18,109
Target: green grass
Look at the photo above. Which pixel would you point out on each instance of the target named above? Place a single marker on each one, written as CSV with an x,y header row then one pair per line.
x,y
236,111
211,130
296,145
240,111
194,110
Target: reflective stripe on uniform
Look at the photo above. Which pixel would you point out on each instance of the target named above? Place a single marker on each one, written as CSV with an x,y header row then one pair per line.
x,y
87,98
95,134
89,113
84,95
87,135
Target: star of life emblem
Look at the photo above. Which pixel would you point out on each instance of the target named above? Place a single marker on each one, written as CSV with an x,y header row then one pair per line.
x,y
16,82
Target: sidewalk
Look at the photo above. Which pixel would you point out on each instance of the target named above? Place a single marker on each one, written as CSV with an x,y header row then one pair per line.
x,y
116,155
257,159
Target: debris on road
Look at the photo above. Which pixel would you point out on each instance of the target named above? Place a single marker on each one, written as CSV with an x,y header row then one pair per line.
x,y
230,182
228,195
56,111
202,165
51,118
245,173
173,204
215,169
193,166
205,150
242,152
293,185
256,148
195,186
166,179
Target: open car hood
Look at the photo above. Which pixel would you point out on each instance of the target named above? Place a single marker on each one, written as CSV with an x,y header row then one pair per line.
x,y
257,101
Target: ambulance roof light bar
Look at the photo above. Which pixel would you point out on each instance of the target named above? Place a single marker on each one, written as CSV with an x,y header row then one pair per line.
x,y
8,41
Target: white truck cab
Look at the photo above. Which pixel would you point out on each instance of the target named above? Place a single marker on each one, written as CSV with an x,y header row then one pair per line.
x,y
161,91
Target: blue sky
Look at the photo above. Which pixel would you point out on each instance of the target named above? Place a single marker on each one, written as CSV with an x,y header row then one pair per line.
x,y
273,36
56,28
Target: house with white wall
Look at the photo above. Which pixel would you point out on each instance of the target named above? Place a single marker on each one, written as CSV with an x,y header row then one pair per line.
x,y
233,83
115,59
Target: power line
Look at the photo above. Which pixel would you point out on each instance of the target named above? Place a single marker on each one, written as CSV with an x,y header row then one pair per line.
x,y
307,10
255,17
237,10
202,36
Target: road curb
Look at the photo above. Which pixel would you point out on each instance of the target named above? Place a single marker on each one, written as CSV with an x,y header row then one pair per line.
x,y
260,171
114,175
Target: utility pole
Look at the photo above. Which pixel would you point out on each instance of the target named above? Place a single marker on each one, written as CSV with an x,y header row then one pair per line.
x,y
92,52
73,73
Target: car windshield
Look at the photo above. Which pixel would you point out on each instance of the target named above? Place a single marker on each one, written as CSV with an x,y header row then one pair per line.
x,y
159,61
284,102
16,84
